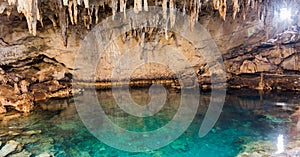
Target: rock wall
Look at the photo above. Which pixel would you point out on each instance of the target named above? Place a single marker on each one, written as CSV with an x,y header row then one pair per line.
x,y
43,59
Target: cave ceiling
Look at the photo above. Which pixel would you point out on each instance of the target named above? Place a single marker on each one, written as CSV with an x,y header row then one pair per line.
x,y
87,13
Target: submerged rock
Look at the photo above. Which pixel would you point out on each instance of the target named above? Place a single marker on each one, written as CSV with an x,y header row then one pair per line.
x,y
32,132
44,155
10,147
24,153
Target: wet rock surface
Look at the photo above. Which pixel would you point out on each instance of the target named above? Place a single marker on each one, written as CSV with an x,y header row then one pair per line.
x,y
10,147
25,83
272,65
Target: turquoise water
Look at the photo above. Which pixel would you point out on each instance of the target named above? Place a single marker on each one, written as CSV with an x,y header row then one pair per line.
x,y
247,116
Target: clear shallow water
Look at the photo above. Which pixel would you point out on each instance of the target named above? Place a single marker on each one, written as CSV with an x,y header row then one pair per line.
x,y
247,116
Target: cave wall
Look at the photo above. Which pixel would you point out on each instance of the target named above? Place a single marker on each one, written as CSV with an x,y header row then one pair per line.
x,y
247,48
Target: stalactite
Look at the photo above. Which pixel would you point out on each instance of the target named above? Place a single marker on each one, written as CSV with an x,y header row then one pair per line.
x,y
79,2
90,13
124,8
75,11
252,4
216,4
236,8
244,6
135,6
114,8
172,13
184,6
3,6
138,6
52,19
166,31
96,14
259,9
193,15
30,10
198,4
223,9
165,8
70,5
86,3
122,5
143,39
146,5
12,2
62,21
65,2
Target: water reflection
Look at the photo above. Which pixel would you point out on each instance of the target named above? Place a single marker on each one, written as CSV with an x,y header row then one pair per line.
x,y
247,116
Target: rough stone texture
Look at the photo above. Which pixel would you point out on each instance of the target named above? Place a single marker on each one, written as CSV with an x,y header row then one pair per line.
x,y
10,147
29,81
34,68
244,53
24,153
44,155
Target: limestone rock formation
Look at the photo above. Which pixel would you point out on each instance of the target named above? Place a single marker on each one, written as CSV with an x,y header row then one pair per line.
x,y
39,40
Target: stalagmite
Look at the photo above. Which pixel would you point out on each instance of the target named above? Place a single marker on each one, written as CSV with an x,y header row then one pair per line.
x,y
222,9
146,5
236,8
165,8
216,4
172,13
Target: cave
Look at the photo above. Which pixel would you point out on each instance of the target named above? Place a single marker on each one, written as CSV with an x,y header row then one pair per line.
x,y
149,78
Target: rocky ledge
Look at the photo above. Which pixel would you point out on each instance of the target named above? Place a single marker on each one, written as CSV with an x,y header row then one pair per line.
x,y
24,84
15,149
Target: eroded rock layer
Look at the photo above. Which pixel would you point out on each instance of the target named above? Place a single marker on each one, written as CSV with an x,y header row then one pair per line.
x,y
39,40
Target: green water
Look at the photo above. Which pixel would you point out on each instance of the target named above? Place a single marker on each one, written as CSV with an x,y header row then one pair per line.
x,y
246,116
